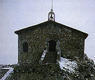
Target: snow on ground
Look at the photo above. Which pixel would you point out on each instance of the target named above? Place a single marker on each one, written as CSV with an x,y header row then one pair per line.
x,y
43,55
8,73
67,65
94,59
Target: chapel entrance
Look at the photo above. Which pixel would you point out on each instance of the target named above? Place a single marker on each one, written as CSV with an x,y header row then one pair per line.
x,y
52,46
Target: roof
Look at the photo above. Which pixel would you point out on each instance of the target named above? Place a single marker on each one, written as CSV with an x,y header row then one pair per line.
x,y
46,23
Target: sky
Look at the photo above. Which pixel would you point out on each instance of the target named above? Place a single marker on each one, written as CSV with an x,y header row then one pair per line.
x,y
18,14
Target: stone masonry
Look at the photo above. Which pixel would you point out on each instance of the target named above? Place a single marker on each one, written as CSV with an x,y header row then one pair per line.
x,y
69,42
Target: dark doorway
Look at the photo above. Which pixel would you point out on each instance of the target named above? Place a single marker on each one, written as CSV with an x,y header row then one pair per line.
x,y
52,45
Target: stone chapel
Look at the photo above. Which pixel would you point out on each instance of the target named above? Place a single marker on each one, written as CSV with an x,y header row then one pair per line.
x,y
46,42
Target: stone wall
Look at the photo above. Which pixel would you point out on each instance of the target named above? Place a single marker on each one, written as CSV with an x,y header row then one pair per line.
x,y
71,42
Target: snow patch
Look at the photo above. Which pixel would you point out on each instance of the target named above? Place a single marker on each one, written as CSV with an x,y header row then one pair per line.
x,y
67,65
43,55
7,74
94,59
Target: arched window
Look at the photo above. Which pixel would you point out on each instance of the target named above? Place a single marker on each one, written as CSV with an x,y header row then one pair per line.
x,y
52,45
25,47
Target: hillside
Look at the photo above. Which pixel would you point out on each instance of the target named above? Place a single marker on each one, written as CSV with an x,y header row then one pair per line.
x,y
66,69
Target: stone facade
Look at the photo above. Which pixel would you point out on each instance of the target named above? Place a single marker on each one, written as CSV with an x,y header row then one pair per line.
x,y
69,42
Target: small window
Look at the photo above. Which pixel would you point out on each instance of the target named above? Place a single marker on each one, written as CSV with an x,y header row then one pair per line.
x,y
25,47
52,45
